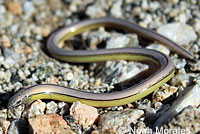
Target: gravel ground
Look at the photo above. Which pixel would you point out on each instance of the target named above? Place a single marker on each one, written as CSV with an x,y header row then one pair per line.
x,y
24,29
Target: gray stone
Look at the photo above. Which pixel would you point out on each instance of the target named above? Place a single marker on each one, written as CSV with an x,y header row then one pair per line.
x,y
180,33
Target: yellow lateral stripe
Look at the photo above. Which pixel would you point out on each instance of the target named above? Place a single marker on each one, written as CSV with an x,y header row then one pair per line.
x,y
98,103
75,31
106,57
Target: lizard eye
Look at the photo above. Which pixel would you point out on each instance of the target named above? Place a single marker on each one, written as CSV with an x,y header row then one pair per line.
x,y
18,103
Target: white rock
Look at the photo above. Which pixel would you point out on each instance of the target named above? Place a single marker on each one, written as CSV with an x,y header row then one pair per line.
x,y
178,32
69,76
2,9
29,8
118,41
123,70
36,108
2,59
145,5
16,112
182,18
95,11
116,120
131,69
9,62
192,98
181,79
34,77
154,5
179,63
197,25
14,28
27,72
147,19
52,107
75,4
21,74
116,10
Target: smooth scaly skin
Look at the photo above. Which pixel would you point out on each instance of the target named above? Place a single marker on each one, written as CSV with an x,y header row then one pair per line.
x,y
133,93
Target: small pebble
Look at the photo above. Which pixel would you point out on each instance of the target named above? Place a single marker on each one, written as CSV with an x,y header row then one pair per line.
x,y
119,41
116,10
5,41
16,112
29,8
3,114
4,124
2,9
163,92
51,107
114,120
36,108
95,11
182,79
158,105
14,7
51,123
69,76
179,63
82,114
